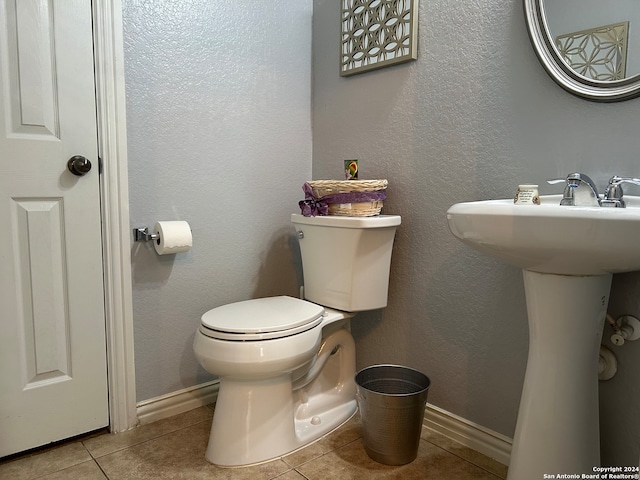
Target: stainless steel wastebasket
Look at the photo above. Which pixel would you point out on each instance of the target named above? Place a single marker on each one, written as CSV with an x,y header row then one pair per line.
x,y
391,399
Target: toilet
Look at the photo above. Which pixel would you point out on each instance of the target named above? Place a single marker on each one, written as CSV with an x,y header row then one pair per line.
x,y
286,365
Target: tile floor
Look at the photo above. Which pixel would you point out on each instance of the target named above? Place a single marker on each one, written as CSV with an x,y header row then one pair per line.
x,y
174,449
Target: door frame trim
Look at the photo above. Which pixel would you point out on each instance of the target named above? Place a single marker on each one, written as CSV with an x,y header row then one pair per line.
x,y
116,235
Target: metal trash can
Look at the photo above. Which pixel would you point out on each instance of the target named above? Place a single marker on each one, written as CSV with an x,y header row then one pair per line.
x,y
391,399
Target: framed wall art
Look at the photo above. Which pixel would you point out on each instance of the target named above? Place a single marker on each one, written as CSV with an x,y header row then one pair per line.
x,y
377,33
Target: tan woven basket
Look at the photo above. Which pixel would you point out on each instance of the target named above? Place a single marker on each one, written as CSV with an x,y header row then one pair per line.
x,y
365,209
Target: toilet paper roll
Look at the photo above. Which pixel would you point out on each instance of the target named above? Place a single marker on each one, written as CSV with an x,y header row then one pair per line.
x,y
173,237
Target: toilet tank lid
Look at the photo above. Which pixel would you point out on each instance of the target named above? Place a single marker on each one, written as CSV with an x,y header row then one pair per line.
x,y
376,221
260,315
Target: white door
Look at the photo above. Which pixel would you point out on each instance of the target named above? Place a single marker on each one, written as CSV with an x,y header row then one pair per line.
x,y
53,379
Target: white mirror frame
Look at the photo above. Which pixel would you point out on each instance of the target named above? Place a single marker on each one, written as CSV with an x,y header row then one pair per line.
x,y
565,76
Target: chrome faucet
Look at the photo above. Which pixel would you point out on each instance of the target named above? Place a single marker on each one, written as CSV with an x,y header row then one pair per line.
x,y
613,194
579,190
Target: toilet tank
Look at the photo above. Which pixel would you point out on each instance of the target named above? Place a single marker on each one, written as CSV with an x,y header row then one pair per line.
x,y
346,260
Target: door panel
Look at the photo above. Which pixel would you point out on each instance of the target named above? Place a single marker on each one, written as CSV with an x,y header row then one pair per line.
x,y
52,325
40,279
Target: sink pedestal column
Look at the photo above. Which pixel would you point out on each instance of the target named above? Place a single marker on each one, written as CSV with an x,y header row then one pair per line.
x,y
557,430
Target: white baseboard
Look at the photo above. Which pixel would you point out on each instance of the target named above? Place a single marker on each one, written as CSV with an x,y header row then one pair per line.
x,y
173,403
469,434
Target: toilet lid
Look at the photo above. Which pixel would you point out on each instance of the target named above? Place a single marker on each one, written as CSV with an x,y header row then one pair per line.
x,y
262,318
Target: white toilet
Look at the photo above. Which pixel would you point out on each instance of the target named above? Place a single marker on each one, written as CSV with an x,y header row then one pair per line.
x,y
286,366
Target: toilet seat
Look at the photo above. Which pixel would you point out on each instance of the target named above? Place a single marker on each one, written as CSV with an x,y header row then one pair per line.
x,y
261,319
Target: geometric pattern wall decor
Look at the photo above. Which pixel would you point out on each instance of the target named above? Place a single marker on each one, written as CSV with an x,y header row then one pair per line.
x,y
598,53
377,33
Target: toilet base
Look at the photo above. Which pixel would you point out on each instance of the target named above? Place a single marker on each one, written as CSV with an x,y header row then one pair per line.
x,y
258,421
271,440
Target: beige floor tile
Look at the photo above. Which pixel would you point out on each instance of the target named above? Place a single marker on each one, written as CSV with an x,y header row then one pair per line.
x,y
468,454
179,455
352,462
45,462
345,434
174,449
305,454
84,471
109,443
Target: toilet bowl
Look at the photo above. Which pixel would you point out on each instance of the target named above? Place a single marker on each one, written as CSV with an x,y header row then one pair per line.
x,y
286,365
266,405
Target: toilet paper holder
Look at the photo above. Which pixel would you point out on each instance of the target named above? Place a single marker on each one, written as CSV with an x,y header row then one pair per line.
x,y
141,234
169,236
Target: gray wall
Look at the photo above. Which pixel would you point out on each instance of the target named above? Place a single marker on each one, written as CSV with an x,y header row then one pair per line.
x,y
471,119
219,134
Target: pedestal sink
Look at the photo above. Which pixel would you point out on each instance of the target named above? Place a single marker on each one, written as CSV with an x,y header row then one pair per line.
x,y
568,255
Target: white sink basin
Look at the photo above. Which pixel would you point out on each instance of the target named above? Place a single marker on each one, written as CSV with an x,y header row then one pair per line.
x,y
567,255
549,238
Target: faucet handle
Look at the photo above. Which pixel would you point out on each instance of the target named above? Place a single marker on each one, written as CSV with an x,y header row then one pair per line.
x,y
613,193
616,180
573,180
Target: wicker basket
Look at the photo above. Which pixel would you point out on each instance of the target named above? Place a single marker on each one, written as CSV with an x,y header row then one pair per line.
x,y
365,209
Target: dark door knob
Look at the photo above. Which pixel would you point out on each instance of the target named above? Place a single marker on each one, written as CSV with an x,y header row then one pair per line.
x,y
79,165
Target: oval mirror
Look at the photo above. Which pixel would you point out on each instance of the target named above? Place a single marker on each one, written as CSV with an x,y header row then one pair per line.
x,y
588,50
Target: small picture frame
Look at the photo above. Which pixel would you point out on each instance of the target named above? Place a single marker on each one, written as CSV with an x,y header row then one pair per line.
x,y
377,33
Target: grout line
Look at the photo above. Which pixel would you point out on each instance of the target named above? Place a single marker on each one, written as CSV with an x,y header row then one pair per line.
x,y
323,455
155,437
466,460
280,475
302,475
101,469
46,474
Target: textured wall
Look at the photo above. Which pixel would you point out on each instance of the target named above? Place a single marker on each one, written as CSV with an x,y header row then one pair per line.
x,y
218,111
471,119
